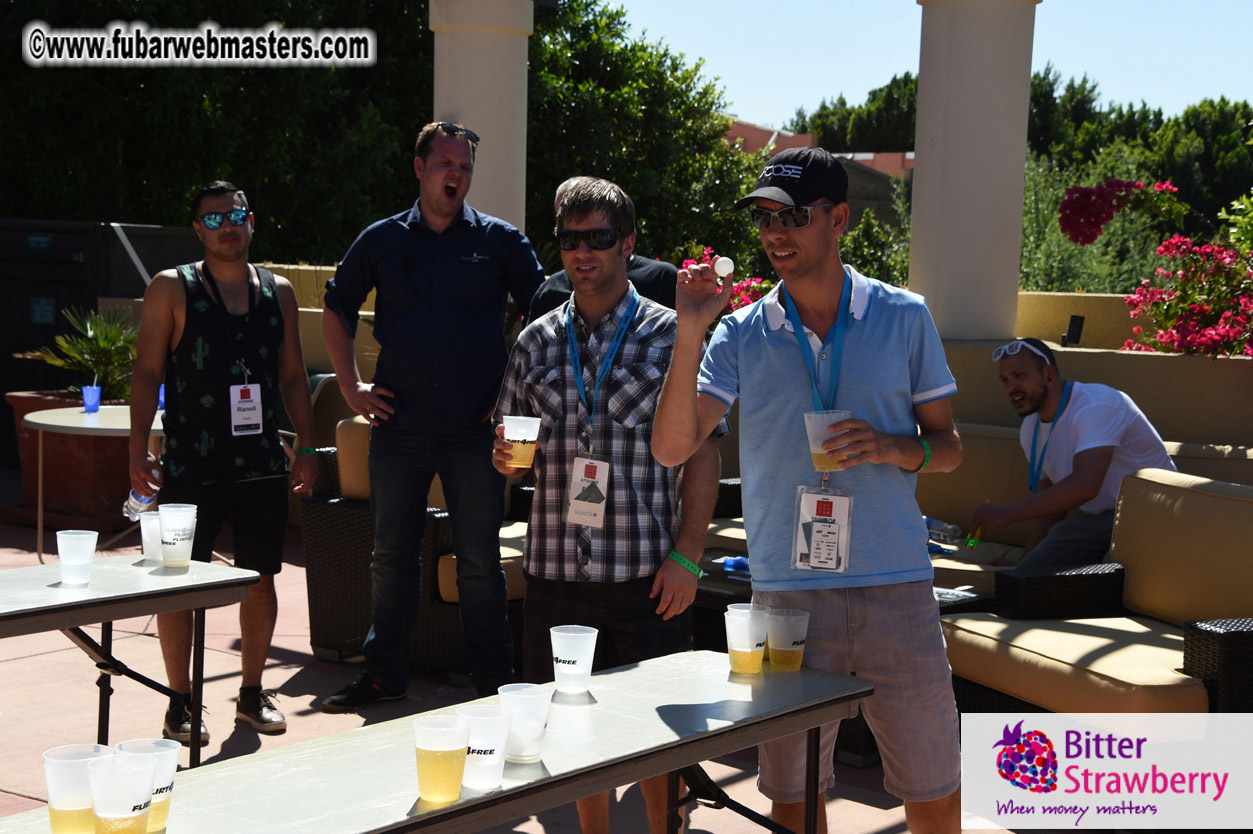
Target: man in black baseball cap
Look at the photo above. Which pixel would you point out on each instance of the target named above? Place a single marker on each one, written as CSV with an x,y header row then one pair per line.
x,y
828,338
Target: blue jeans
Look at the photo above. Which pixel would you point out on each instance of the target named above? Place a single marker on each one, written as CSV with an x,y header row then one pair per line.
x,y
402,466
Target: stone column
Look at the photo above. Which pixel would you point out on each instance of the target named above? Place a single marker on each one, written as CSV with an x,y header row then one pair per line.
x,y
974,86
480,82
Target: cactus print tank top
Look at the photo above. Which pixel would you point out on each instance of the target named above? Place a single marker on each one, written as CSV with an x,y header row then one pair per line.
x,y
210,357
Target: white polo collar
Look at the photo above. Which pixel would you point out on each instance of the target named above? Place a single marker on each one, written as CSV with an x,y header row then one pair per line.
x,y
859,300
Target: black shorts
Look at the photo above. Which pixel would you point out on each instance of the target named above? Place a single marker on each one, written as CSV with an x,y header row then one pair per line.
x,y
629,628
257,512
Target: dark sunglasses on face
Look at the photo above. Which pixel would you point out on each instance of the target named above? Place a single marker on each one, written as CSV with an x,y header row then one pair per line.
x,y
597,239
792,217
450,129
213,219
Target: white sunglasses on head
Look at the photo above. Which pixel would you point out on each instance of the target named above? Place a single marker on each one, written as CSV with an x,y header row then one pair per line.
x,y
1013,347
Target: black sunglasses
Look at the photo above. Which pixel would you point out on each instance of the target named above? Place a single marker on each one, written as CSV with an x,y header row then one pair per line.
x,y
213,219
598,239
792,217
450,129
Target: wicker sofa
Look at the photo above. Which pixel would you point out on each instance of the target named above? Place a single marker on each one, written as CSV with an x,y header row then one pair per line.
x,y
339,541
1167,627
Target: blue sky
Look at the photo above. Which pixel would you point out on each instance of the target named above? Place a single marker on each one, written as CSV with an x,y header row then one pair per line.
x,y
1167,53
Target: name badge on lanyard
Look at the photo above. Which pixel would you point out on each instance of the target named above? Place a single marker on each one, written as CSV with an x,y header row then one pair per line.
x,y
589,492
245,407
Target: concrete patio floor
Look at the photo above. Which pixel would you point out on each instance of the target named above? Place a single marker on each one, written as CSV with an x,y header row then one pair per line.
x,y
48,697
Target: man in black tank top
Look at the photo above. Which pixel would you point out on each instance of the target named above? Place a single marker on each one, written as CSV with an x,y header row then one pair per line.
x,y
223,337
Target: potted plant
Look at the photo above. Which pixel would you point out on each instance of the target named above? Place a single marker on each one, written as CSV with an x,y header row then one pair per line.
x,y
84,476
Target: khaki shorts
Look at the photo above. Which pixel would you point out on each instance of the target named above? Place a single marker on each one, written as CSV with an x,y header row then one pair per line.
x,y
890,635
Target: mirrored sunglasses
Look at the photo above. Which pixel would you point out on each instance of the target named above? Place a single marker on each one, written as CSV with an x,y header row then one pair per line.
x,y
597,239
213,219
450,129
792,217
1013,347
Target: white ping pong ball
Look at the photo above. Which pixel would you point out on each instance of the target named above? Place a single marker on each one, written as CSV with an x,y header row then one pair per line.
x,y
724,267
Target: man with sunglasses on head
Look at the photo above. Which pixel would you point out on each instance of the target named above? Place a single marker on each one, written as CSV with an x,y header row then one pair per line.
x,y
1081,439
224,338
443,273
849,546
606,546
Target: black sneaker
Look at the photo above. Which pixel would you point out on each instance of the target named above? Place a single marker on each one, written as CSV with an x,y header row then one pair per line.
x,y
357,694
178,725
257,708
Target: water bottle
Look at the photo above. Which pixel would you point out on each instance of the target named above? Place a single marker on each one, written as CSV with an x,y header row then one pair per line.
x,y
136,504
943,532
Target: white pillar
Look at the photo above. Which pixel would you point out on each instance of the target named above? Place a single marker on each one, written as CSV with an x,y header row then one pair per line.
x,y
480,82
974,87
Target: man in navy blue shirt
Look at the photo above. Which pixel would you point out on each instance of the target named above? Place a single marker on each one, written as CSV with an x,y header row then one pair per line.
x,y
443,273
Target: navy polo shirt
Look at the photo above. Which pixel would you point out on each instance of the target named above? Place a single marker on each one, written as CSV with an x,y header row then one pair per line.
x,y
439,311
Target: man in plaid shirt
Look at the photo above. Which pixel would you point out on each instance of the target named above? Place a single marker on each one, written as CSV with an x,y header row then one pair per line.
x,y
618,557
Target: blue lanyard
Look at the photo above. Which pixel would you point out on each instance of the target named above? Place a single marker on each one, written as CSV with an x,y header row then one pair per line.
x,y
835,339
606,363
1036,468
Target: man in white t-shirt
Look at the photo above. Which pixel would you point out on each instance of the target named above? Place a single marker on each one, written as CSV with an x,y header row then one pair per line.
x,y
1081,440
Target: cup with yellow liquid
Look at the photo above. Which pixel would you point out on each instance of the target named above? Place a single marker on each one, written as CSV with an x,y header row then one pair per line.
x,y
441,742
121,792
747,627
69,787
523,433
817,428
787,629
165,751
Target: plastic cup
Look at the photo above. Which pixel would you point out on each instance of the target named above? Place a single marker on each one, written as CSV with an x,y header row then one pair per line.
x,y
787,630
485,758
121,792
75,550
178,532
165,751
69,787
440,742
91,398
529,702
817,424
574,648
747,629
522,432
150,531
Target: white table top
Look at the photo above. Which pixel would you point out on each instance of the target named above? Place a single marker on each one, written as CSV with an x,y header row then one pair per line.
x,y
649,718
109,421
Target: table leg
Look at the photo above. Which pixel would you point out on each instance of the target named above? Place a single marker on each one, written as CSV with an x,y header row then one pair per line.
x,y
105,683
813,742
39,501
197,684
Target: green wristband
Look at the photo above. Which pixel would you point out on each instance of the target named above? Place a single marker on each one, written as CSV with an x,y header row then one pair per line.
x,y
687,564
306,450
926,457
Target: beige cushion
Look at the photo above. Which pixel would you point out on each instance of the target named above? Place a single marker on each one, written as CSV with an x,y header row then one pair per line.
x,y
1209,460
728,533
512,540
352,443
1113,664
1185,543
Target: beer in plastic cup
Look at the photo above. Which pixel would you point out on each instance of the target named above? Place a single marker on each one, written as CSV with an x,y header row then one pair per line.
x,y
747,628
75,550
178,533
574,648
485,758
165,751
440,742
150,531
816,425
787,630
69,787
522,432
121,792
529,702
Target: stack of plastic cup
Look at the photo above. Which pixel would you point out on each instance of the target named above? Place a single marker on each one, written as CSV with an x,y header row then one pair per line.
x,y
178,533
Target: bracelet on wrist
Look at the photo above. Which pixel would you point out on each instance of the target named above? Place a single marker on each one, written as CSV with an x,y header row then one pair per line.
x,y
306,450
686,563
926,457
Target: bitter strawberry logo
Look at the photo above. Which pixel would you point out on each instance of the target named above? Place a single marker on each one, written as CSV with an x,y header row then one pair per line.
x,y
1027,760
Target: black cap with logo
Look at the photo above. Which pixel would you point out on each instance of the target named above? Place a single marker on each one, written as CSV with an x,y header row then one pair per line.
x,y
800,176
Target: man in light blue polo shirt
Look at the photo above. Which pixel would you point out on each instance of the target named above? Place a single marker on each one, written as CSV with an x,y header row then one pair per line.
x,y
830,338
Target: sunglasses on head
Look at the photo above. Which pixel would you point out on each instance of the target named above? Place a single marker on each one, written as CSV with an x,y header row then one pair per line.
x,y
597,239
792,217
450,129
214,219
1015,346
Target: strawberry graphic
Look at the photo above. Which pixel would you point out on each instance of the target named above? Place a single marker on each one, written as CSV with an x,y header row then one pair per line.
x,y
1027,760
